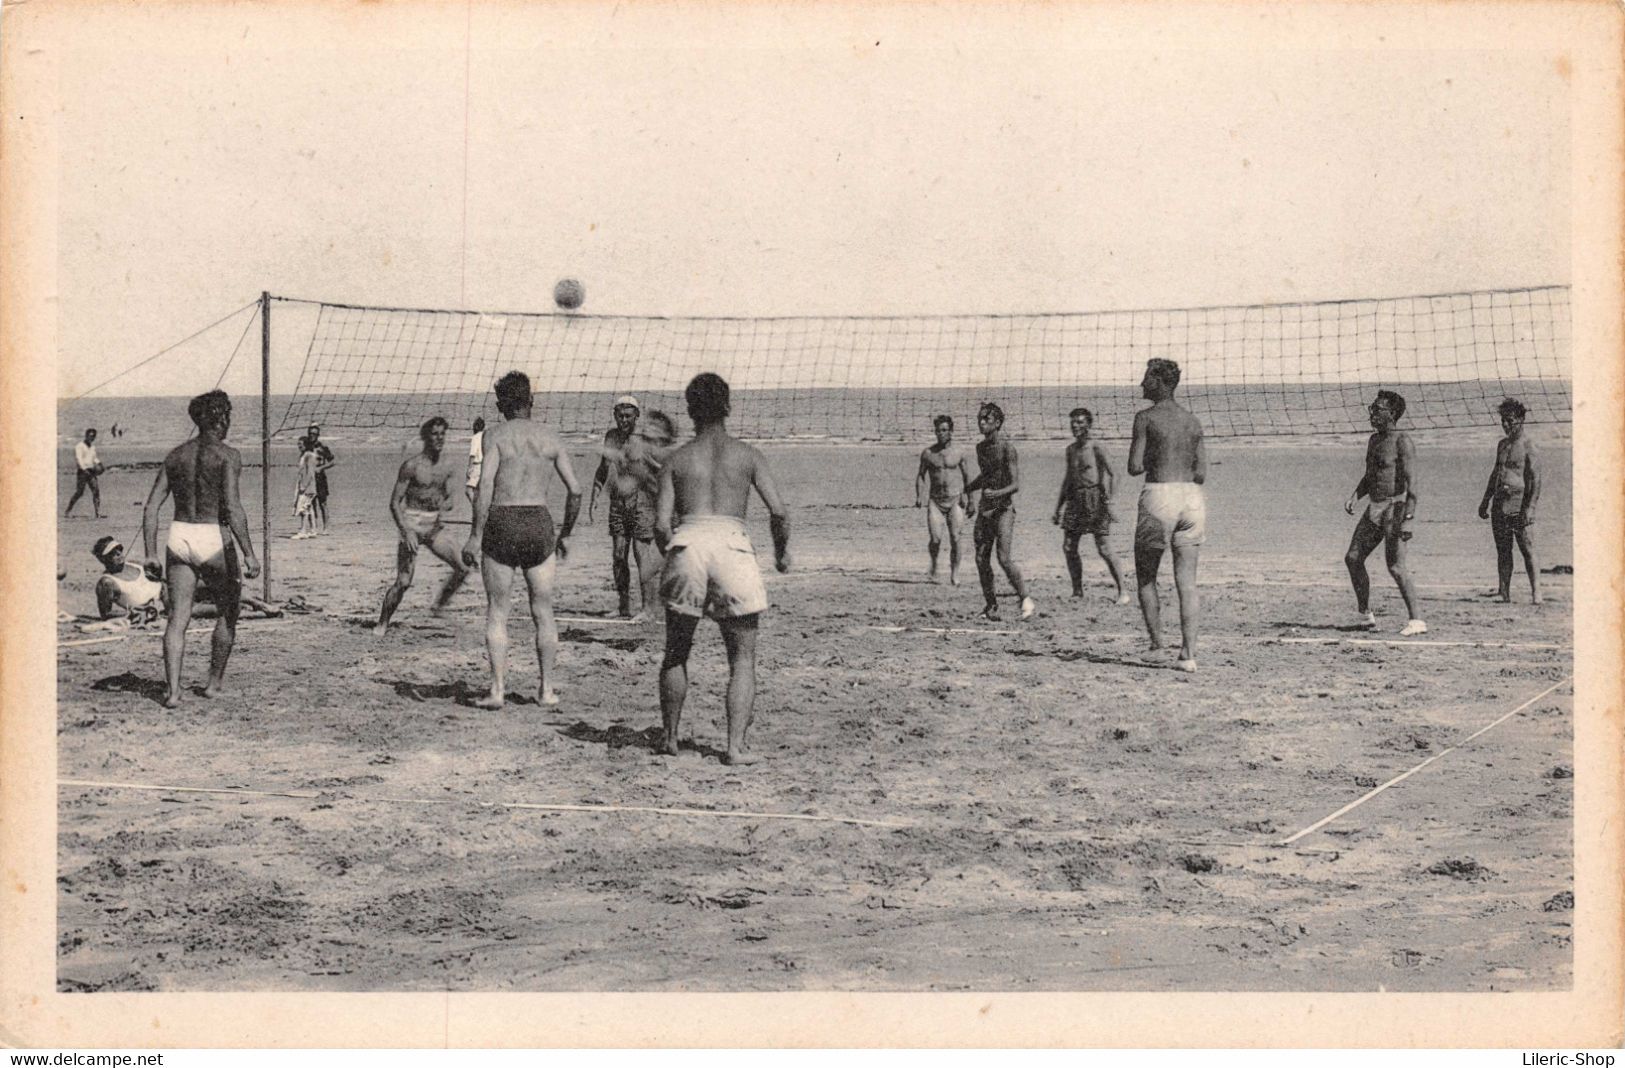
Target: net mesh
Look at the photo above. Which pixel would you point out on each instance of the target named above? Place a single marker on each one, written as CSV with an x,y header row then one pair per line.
x,y
1276,369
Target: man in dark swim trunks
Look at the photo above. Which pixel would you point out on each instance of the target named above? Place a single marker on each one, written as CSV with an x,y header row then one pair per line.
x,y
513,528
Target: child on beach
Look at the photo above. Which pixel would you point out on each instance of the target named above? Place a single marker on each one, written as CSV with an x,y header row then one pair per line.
x,y
304,500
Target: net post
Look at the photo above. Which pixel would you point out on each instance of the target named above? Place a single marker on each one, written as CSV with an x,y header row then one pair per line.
x,y
265,439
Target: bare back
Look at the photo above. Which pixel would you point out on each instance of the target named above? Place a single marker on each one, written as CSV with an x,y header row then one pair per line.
x,y
713,475
1171,440
526,453
198,471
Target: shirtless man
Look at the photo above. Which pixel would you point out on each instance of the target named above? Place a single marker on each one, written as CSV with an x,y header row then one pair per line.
x,y
208,526
422,495
944,469
998,482
1168,450
1509,500
710,564
514,529
1084,505
1389,483
631,527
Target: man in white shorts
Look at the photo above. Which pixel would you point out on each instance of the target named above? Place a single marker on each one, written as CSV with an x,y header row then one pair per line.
x,y
1169,451
208,526
711,568
418,505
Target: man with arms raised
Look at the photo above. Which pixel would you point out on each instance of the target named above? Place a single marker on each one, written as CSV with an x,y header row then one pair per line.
x,y
1389,484
998,481
1168,450
208,526
423,493
943,468
514,529
710,564
631,526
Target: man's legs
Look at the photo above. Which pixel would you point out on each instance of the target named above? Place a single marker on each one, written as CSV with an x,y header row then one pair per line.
x,y
1526,546
1394,553
1147,561
650,563
96,495
935,527
1367,536
1074,563
181,581
225,583
1104,547
1501,528
739,636
1007,560
405,564
619,545
539,580
445,546
956,526
1185,557
320,510
985,538
79,484
674,675
498,580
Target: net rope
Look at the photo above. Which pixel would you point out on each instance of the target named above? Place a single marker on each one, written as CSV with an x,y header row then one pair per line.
x,y
1254,370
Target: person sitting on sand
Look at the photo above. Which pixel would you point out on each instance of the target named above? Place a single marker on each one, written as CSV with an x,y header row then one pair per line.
x,y
711,567
996,485
1509,500
944,471
418,505
125,591
208,526
1084,503
1389,484
1169,451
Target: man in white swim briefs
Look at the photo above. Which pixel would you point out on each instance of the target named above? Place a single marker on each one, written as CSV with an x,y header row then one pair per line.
x,y
944,471
418,505
208,526
1389,484
1168,450
711,567
514,529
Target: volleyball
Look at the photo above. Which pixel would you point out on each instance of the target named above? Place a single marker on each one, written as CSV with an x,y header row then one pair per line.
x,y
569,293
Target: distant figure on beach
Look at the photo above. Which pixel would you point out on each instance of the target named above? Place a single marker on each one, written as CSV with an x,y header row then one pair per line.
x,y
997,483
418,505
476,457
1084,504
514,529
304,494
88,470
631,525
126,592
208,527
939,488
324,463
1169,451
1509,500
711,567
1390,485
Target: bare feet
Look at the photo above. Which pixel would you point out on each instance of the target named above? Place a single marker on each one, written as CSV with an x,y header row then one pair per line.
x,y
667,747
1123,598
991,613
211,691
1027,608
548,698
172,700
641,617
491,702
1077,591
734,759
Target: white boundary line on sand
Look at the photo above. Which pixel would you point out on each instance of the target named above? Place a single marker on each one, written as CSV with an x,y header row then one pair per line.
x,y
1351,806
1262,639
310,795
1214,580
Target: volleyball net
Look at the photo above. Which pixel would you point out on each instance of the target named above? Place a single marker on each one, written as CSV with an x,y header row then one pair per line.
x,y
1255,370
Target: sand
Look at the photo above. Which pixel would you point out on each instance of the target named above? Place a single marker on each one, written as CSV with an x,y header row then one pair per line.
x,y
1043,806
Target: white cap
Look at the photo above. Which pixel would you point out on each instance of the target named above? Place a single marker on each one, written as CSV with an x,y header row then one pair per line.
x,y
626,400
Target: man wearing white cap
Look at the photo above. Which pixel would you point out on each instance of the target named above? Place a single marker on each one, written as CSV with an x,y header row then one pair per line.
x,y
631,520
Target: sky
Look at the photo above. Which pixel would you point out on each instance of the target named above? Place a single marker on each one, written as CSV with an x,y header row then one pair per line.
x,y
759,160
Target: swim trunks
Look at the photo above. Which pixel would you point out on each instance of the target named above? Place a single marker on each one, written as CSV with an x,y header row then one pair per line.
x,y
947,506
1087,511
1170,513
988,519
711,570
423,525
631,516
519,535
196,544
1506,515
